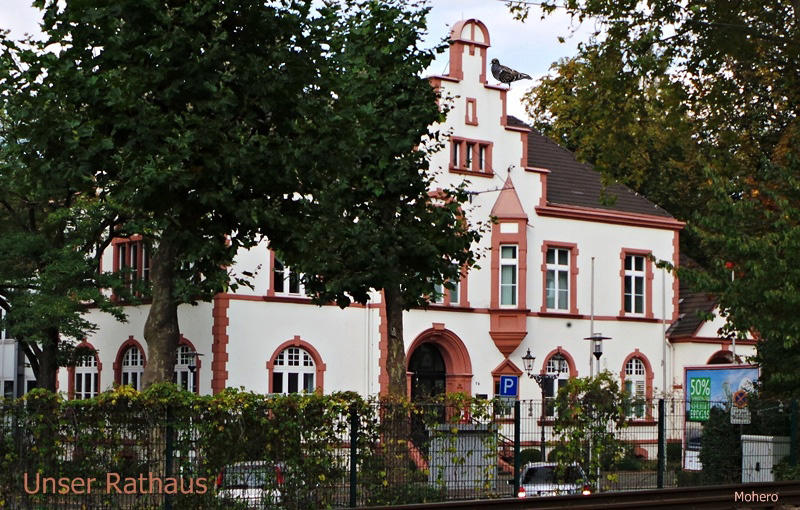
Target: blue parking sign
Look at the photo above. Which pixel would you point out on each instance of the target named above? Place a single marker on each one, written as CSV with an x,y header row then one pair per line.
x,y
509,385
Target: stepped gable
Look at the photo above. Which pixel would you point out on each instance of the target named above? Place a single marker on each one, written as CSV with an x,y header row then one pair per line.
x,y
577,184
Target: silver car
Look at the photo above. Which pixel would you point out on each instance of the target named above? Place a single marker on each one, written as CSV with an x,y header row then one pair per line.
x,y
545,479
254,484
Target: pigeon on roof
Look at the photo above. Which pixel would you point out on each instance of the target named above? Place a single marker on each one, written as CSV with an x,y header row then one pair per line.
x,y
505,74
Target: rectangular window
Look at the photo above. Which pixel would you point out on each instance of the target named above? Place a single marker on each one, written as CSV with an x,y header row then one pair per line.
x,y
549,388
557,279
634,284
277,382
470,155
308,383
292,382
502,408
279,277
294,282
122,257
455,289
439,297
635,389
146,265
133,258
508,275
8,389
286,280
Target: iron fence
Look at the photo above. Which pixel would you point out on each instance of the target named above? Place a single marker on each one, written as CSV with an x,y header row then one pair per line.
x,y
172,457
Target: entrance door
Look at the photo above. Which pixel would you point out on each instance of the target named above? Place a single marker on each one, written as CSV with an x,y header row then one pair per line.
x,y
428,372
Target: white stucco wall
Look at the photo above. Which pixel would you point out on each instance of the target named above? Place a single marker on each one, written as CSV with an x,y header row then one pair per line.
x,y
345,340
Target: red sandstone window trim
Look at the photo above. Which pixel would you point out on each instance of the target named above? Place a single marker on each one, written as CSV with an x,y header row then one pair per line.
x,y
471,115
572,291
471,156
648,283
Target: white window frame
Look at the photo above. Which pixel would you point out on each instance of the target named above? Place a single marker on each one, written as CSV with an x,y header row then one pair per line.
x,y
294,361
132,368
286,278
454,288
636,385
632,275
514,286
551,367
184,377
86,377
469,153
556,269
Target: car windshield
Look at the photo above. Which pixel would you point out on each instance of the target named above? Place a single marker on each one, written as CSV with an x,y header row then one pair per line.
x,y
549,475
247,475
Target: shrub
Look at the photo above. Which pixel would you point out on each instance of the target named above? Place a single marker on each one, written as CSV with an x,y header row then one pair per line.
x,y
529,455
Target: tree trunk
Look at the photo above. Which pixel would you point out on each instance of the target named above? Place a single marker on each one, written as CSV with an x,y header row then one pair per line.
x,y
396,352
48,361
161,329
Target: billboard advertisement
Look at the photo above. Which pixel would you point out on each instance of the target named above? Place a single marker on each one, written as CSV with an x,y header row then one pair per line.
x,y
710,386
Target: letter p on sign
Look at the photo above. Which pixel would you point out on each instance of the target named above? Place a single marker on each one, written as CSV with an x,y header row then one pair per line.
x,y
509,385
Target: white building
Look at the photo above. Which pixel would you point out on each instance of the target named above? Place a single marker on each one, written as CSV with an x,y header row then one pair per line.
x,y
534,289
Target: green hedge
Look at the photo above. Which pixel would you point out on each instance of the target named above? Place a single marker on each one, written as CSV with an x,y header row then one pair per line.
x,y
127,432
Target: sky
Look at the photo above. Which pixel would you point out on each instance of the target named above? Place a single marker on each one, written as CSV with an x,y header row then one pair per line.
x,y
529,47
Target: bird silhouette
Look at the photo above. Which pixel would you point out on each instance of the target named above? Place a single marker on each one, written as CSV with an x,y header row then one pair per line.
x,y
505,74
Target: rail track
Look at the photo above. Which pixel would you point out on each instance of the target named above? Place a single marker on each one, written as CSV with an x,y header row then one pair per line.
x,y
775,495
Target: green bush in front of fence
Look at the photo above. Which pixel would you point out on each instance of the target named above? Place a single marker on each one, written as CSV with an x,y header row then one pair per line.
x,y
529,455
588,412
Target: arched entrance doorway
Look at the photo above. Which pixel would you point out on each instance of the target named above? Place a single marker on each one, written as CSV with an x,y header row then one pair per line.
x,y
428,372
438,362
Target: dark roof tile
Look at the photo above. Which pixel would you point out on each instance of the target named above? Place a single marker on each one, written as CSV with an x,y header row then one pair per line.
x,y
692,308
573,183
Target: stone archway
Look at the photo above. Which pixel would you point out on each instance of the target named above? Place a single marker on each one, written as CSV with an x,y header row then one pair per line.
x,y
457,364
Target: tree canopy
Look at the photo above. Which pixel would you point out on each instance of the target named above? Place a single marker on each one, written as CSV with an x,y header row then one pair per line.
x,y
369,217
696,105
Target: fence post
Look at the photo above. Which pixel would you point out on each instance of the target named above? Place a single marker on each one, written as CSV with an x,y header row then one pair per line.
x,y
662,442
353,453
168,451
793,435
516,446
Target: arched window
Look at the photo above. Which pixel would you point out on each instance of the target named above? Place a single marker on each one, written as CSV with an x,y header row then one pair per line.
x,y
635,385
558,366
132,368
293,370
86,378
185,367
720,358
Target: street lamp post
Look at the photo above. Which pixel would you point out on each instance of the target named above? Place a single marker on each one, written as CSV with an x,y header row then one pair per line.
x,y
192,366
597,351
597,346
527,363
